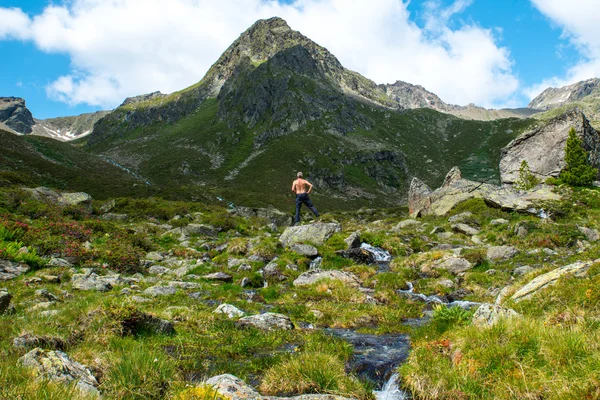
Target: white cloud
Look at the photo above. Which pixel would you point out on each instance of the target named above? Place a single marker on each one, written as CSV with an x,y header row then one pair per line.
x,y
578,20
14,24
121,48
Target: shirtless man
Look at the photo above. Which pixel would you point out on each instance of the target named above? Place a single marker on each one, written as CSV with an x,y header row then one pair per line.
x,y
299,188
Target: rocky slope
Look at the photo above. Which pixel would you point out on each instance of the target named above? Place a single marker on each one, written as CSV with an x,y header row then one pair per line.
x,y
67,128
584,95
556,97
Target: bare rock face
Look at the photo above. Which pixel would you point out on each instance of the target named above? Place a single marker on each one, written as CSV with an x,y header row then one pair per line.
x,y
15,115
418,196
544,147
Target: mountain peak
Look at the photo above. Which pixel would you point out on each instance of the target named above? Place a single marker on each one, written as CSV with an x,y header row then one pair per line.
x,y
273,23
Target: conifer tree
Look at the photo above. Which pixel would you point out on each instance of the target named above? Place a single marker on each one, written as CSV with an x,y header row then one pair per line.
x,y
577,171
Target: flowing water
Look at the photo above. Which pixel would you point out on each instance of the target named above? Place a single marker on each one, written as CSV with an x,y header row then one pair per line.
x,y
391,390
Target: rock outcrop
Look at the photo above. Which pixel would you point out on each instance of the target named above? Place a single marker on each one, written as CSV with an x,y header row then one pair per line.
x,y
15,115
424,201
544,147
578,269
273,215
10,270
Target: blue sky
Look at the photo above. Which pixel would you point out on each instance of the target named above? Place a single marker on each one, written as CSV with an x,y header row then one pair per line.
x,y
87,55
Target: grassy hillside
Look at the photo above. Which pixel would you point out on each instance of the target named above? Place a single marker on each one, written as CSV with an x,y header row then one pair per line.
x,y
47,162
371,166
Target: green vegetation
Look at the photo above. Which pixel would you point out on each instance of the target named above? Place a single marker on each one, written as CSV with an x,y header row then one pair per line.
x,y
526,180
577,171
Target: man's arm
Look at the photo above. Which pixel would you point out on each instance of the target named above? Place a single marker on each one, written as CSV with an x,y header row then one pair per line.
x,y
309,187
294,186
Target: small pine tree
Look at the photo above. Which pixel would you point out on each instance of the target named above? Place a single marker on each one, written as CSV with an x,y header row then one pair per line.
x,y
577,171
526,180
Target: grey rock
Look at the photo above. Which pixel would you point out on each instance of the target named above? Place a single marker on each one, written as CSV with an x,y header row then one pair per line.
x,y
455,265
465,217
272,272
496,253
499,221
218,276
524,270
418,197
90,281
543,147
230,311
232,387
45,294
154,256
108,206
201,230
490,314
15,115
234,262
156,291
313,276
49,313
305,250
316,233
244,268
353,241
454,175
359,255
184,285
578,269
591,235
267,321
183,271
29,341
465,229
140,299
59,262
114,217
10,270
57,366
5,299
315,264
158,270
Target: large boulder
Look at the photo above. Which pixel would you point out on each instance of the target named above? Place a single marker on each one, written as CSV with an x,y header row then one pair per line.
x,y
316,233
579,268
440,201
57,366
316,275
267,322
491,314
544,147
229,310
455,265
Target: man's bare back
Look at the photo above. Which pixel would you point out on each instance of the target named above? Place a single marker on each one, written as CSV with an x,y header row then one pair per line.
x,y
299,186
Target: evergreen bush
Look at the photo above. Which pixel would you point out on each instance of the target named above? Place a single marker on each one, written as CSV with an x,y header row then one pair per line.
x,y
578,171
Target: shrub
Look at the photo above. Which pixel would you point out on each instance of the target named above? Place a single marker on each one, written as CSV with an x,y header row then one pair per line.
x,y
526,180
578,171
203,392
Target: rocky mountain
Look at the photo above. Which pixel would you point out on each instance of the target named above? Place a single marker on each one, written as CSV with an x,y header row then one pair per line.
x,y
16,117
276,102
584,95
68,128
556,97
